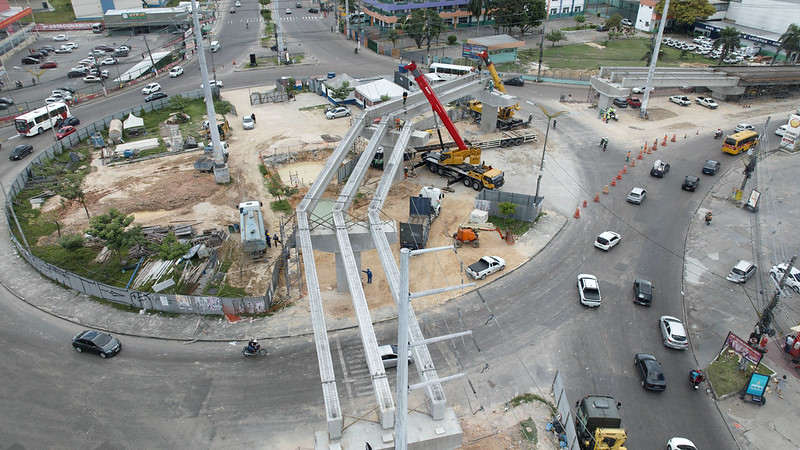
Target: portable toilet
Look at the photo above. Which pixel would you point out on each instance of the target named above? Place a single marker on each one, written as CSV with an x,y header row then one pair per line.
x,y
97,140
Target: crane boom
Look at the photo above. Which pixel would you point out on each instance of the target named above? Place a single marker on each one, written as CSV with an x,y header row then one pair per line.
x,y
436,104
495,77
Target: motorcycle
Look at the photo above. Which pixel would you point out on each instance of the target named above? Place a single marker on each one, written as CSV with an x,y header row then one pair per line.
x,y
257,352
695,378
355,50
718,134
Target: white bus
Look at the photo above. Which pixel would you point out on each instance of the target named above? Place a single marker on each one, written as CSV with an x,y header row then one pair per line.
x,y
450,71
41,119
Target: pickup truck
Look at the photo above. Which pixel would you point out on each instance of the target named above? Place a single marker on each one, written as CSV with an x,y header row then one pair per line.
x,y
660,168
485,266
708,102
681,100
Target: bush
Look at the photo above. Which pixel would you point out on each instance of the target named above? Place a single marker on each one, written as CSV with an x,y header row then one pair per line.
x,y
71,242
452,39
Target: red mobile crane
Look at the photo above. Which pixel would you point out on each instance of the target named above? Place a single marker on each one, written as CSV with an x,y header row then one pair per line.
x,y
452,163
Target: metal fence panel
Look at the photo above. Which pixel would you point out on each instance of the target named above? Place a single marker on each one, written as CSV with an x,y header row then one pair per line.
x,y
527,208
563,407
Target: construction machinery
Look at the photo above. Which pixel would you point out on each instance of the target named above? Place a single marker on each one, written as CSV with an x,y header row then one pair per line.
x,y
465,236
465,229
223,127
505,120
414,232
463,163
598,423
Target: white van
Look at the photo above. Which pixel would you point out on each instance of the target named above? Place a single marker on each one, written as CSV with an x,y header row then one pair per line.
x,y
214,46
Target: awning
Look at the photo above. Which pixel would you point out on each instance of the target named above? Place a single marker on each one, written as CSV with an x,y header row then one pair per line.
x,y
133,122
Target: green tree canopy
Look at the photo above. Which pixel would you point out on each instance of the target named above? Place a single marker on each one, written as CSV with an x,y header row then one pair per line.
x,y
112,229
170,248
727,42
790,42
555,36
476,8
520,14
686,12
579,19
70,189
342,91
422,25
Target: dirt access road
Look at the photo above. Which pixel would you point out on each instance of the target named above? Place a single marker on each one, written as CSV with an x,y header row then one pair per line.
x,y
168,191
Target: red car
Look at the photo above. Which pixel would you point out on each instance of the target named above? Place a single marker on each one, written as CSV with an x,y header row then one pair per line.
x,y
65,131
48,65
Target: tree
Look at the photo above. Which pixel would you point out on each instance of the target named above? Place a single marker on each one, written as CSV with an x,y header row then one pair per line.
x,y
522,14
342,91
112,229
475,8
70,189
393,36
423,24
614,25
580,19
649,54
790,42
555,36
687,12
170,248
728,41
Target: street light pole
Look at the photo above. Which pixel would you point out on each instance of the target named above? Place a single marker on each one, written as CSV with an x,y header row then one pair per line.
x,y
550,117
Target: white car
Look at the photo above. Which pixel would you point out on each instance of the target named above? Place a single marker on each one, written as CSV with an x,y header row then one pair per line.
x,y
124,48
92,79
51,100
70,45
248,123
679,443
389,356
681,100
589,290
792,281
175,72
108,62
627,22
606,240
708,102
150,88
288,10
641,89
742,127
781,130
63,49
637,195
673,333
339,111
60,38
213,83
238,3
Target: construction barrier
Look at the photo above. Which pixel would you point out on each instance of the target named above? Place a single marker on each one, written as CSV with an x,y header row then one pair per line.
x,y
597,195
577,213
613,181
633,163
673,138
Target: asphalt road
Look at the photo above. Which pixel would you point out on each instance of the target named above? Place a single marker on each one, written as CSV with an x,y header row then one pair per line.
x,y
526,326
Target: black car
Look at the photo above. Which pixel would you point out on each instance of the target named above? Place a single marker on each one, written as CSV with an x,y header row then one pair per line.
x,y
37,55
49,48
4,105
621,102
313,10
44,51
70,90
642,292
155,96
711,167
74,121
29,60
517,81
651,372
76,74
95,341
690,183
602,28
104,48
20,151
6,100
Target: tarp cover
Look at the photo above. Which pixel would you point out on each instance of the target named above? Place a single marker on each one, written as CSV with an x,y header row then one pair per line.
x,y
133,122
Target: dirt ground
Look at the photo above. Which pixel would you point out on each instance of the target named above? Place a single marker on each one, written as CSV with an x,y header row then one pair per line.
x,y
168,191
498,428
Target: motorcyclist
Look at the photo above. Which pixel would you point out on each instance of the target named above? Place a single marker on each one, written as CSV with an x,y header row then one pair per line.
x,y
708,218
696,376
718,133
253,346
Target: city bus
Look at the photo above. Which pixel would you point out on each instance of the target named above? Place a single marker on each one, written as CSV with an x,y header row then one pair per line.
x,y
450,71
41,119
740,142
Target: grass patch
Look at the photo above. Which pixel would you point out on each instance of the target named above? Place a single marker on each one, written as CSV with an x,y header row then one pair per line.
x,y
281,206
726,377
63,13
530,398
528,428
518,227
315,107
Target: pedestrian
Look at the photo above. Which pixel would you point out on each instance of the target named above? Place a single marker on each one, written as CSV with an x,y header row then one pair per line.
x,y
628,158
33,81
253,116
555,122
605,144
369,278
276,239
781,385
142,55
269,241
787,347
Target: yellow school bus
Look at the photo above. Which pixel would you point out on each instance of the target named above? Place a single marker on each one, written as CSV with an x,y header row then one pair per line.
x,y
740,142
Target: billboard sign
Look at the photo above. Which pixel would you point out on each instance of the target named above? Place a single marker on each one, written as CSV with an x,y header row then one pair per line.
x,y
742,348
471,51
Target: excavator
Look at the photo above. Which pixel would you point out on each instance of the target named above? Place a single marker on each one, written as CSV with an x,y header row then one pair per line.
x,y
463,163
504,114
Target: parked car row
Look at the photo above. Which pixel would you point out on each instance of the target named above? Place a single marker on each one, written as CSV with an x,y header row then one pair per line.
x,y
705,46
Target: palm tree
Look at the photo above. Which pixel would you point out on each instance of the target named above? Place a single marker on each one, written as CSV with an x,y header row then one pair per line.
x,y
475,8
790,42
728,40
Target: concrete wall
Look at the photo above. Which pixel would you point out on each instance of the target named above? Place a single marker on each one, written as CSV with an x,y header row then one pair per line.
x,y
769,15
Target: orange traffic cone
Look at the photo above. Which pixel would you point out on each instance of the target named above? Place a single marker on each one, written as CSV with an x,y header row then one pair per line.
x,y
605,189
633,163
613,182
577,213
645,146
664,142
619,175
585,203
597,197
640,155
673,138
625,169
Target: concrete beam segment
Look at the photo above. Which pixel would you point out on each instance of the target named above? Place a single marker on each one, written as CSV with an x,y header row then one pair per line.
x,y
327,375
495,98
350,188
421,354
323,239
489,126
418,138
417,97
380,384
314,193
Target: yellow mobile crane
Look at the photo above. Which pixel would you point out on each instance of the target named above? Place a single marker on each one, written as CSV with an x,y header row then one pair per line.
x,y
503,114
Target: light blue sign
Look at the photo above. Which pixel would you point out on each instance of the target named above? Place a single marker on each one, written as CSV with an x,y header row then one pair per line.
x,y
757,385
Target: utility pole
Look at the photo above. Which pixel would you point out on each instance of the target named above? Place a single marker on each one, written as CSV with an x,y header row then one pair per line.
x,y
751,166
763,325
653,61
541,54
550,117
152,61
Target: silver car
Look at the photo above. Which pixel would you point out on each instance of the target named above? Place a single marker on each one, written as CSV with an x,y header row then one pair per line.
x,y
673,333
637,195
339,111
742,271
389,356
248,123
